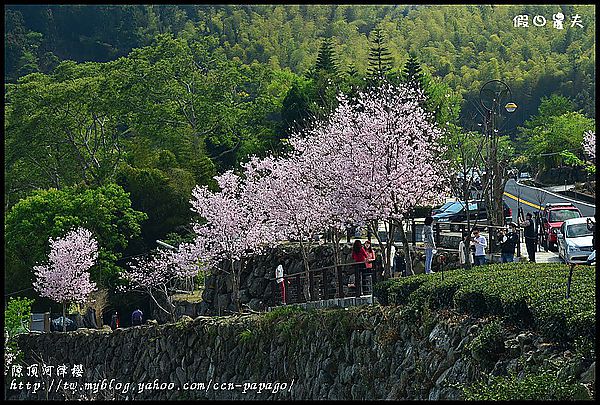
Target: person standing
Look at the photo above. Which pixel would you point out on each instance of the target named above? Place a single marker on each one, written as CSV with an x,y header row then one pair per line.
x,y
480,243
370,256
530,236
591,226
359,255
114,321
89,319
371,265
281,281
393,260
508,243
429,244
136,317
464,254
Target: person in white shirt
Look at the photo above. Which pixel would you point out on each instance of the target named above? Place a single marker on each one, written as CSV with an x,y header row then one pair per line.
x,y
393,260
281,282
480,243
429,243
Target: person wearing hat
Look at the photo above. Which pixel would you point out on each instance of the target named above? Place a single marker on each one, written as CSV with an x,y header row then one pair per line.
x,y
530,236
508,243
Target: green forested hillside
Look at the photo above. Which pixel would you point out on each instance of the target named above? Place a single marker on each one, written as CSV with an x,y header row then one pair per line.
x,y
465,45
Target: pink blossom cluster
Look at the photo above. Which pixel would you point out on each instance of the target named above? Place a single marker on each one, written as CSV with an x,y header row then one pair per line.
x,y
162,268
377,157
589,144
236,224
65,278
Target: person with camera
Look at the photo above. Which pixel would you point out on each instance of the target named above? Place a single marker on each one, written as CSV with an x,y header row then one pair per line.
x,y
591,226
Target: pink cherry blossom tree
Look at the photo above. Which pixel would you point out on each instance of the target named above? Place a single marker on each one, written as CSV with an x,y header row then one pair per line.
x,y
378,158
589,144
235,226
157,274
65,278
323,151
295,209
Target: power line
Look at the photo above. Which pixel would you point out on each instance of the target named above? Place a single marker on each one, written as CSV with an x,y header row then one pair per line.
x,y
16,292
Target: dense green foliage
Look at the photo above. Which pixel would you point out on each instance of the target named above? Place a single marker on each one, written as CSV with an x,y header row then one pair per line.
x,y
488,345
287,321
554,135
17,316
525,294
465,45
106,211
537,387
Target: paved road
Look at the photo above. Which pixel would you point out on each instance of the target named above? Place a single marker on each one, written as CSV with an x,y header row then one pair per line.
x,y
533,199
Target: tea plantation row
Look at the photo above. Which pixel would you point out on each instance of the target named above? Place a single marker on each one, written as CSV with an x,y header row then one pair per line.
x,y
528,295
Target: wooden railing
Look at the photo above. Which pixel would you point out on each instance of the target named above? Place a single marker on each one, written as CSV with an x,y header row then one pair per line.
x,y
344,280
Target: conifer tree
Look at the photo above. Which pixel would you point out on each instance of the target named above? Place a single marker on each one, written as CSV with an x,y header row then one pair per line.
x,y
380,58
412,73
326,59
352,71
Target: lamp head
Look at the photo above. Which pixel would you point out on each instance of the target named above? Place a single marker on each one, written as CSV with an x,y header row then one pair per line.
x,y
510,107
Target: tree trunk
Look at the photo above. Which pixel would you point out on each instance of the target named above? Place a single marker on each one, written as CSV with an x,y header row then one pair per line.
x,y
236,272
335,239
64,320
467,248
385,247
307,286
406,248
387,258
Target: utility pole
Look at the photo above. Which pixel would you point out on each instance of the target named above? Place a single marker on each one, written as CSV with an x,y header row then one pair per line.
x,y
491,95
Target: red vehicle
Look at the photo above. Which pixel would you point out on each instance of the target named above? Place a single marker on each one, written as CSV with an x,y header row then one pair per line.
x,y
552,218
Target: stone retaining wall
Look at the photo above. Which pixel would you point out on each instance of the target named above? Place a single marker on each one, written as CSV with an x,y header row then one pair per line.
x,y
356,353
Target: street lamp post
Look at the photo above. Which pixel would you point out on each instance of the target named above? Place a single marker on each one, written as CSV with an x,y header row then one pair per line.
x,y
491,96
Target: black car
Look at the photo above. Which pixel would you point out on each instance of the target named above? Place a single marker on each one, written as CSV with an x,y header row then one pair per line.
x,y
457,213
441,208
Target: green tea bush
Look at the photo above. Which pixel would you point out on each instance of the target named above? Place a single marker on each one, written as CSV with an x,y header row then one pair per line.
x,y
531,295
488,345
544,386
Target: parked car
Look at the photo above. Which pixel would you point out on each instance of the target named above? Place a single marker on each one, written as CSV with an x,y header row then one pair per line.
x,y
575,241
457,213
552,218
524,176
442,208
57,324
